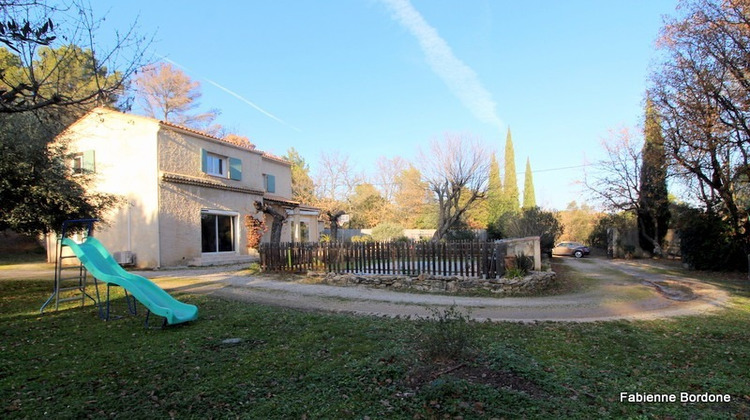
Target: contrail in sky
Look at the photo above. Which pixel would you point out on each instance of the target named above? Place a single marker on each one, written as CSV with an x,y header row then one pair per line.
x,y
236,95
462,81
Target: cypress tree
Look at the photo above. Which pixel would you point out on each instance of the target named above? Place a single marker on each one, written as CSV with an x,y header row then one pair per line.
x,y
510,187
653,202
495,203
494,192
529,198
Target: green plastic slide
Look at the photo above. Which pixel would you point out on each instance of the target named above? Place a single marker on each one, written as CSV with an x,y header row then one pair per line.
x,y
101,265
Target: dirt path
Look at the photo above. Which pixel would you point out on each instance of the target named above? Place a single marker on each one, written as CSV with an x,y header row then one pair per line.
x,y
612,290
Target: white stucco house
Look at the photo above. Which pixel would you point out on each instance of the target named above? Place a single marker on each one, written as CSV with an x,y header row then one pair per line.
x,y
185,195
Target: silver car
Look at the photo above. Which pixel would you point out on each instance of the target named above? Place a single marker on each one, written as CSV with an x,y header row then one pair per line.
x,y
575,249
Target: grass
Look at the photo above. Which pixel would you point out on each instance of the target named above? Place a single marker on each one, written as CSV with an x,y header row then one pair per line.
x,y
295,364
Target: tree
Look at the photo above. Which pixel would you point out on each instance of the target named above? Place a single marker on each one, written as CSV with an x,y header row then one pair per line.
x,y
578,221
35,74
37,188
653,197
335,182
278,216
494,191
510,184
303,188
701,91
368,207
495,200
168,94
385,176
454,169
536,222
43,88
615,181
529,198
413,204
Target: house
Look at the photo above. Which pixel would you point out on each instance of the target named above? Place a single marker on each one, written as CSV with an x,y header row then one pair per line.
x,y
186,196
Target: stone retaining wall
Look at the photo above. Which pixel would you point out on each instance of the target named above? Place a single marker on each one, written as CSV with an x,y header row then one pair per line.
x,y
535,281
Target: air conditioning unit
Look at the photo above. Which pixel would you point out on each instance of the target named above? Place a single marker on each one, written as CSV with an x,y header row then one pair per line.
x,y
124,257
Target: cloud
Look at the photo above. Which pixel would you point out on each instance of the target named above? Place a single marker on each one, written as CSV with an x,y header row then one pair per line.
x,y
462,81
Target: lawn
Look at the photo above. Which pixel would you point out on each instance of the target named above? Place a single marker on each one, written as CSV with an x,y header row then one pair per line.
x,y
294,364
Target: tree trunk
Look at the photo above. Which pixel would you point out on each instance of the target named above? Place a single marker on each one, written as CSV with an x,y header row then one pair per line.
x,y
333,218
654,241
278,220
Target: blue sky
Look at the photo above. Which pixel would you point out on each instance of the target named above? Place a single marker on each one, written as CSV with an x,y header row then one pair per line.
x,y
372,78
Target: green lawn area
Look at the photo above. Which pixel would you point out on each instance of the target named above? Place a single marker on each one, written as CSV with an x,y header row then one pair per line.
x,y
294,364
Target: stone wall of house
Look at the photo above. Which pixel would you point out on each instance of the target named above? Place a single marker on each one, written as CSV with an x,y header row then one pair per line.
x,y
535,281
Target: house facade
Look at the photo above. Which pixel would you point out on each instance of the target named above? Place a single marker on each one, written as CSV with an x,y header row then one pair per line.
x,y
185,196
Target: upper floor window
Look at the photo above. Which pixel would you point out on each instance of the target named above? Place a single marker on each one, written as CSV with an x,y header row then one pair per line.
x,y
82,163
269,183
217,165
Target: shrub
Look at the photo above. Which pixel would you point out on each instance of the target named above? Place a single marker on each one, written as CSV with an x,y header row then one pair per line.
x,y
387,232
255,230
623,222
524,263
706,242
535,222
459,235
361,238
447,335
495,230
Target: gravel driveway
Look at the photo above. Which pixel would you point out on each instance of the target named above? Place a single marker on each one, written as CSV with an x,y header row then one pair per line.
x,y
613,289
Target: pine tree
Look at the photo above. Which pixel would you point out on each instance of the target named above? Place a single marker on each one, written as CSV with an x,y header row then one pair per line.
x,y
653,200
510,187
529,199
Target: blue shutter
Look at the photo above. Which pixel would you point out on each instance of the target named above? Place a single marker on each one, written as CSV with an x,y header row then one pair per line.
x,y
271,183
204,160
88,165
235,169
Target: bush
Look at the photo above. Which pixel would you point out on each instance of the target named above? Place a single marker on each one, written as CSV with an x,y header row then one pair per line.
x,y
514,272
387,232
459,235
707,243
361,238
535,222
524,263
495,230
623,222
448,335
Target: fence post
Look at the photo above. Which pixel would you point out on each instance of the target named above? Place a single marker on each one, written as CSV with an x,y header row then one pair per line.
x,y
501,250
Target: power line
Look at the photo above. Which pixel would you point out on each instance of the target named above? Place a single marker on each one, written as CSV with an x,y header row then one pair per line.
x,y
556,169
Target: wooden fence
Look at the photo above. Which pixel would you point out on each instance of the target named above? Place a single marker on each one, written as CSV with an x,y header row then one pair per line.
x,y
476,259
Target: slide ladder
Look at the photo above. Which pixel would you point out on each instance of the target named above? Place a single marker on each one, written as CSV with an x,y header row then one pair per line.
x,y
70,278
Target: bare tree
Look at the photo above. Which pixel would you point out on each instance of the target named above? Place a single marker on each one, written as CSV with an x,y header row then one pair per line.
x,y
279,217
615,181
335,183
386,176
702,94
28,27
456,170
167,93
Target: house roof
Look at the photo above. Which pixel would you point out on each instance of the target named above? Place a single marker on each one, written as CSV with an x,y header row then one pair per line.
x,y
275,158
201,182
280,200
235,142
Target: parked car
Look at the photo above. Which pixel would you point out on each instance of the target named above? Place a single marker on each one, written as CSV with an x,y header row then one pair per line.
x,y
575,249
